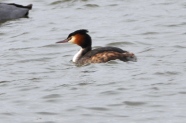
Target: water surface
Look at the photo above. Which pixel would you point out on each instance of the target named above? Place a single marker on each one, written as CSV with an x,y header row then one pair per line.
x,y
40,84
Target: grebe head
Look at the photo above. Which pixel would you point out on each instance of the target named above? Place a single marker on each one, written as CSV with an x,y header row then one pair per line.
x,y
79,37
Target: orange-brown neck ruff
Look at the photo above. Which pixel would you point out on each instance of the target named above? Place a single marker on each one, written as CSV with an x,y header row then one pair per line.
x,y
79,39
83,40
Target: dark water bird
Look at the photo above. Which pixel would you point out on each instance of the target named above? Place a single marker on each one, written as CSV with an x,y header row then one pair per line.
x,y
9,11
100,55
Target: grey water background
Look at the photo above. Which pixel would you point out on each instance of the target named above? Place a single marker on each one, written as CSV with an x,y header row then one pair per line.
x,y
40,84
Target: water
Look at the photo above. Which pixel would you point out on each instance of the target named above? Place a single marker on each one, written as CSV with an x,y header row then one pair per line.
x,y
40,84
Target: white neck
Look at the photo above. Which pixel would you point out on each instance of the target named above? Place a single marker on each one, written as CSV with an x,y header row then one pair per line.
x,y
77,55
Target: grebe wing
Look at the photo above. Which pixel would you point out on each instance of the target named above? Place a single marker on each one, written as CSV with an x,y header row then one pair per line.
x,y
103,49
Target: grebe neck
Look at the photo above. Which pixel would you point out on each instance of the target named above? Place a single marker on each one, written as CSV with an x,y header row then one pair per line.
x,y
81,53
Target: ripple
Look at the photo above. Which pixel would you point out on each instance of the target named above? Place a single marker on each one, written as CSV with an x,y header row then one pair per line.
x,y
179,46
1,33
160,84
156,106
36,59
110,83
150,33
50,46
113,5
59,2
3,82
122,88
183,92
147,50
154,88
129,20
134,103
23,48
7,114
92,5
84,83
47,113
109,93
145,43
2,93
88,71
52,96
175,25
115,105
45,122
28,88
120,43
167,73
99,108
35,79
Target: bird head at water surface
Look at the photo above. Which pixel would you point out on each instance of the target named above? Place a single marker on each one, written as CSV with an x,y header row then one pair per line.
x,y
100,55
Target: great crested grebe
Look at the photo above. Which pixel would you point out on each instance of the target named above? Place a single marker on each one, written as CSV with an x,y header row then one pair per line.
x,y
100,55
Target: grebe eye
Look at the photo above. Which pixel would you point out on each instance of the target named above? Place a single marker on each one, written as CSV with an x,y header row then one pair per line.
x,y
69,38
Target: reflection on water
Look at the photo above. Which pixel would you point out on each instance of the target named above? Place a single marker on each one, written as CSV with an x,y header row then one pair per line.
x,y
40,84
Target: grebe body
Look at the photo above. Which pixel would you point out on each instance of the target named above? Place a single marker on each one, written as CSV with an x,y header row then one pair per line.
x,y
100,55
